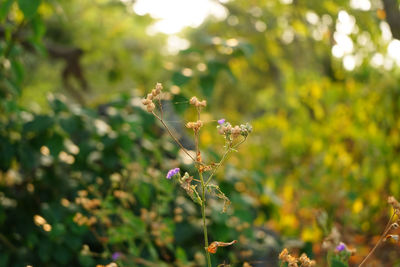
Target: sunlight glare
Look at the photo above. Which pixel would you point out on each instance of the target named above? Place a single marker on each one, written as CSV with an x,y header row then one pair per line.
x,y
349,62
364,5
394,51
174,15
175,44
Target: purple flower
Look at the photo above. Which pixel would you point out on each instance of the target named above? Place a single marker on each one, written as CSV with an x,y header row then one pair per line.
x,y
172,172
221,121
341,247
116,255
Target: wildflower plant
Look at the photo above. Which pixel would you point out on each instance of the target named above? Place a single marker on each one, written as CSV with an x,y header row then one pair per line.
x,y
339,253
197,189
286,259
391,225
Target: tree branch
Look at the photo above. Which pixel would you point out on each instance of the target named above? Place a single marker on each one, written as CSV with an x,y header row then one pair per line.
x,y
393,16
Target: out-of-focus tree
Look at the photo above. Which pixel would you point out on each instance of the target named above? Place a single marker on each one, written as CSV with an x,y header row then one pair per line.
x,y
86,49
321,81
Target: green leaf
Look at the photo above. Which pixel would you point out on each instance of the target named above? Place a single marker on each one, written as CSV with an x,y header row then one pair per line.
x,y
152,251
207,85
18,71
38,28
40,124
61,255
179,79
4,260
6,154
5,8
29,7
144,194
181,255
337,263
86,260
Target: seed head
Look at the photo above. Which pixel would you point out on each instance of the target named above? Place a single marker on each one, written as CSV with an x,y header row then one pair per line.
x,y
146,101
236,131
393,201
395,238
159,86
151,107
283,256
197,103
193,100
194,125
201,104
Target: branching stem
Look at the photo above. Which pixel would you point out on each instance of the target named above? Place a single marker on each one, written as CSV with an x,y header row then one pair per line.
x,y
173,136
386,231
229,148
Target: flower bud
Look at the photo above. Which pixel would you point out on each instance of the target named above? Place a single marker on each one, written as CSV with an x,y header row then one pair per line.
x,y
145,101
159,86
193,100
236,131
151,107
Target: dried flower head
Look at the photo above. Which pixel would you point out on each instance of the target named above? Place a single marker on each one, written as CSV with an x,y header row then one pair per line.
x,y
212,248
393,201
246,129
330,242
283,256
194,125
193,100
159,87
150,107
148,101
224,128
305,261
292,261
395,238
197,103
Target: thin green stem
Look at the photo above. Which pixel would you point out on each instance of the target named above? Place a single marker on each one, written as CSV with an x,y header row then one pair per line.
x,y
229,148
5,240
387,229
219,164
173,136
203,214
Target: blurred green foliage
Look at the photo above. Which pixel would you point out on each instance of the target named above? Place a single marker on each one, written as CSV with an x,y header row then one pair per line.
x,y
324,154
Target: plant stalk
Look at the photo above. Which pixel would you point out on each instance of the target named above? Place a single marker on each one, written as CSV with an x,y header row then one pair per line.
x,y
387,229
203,214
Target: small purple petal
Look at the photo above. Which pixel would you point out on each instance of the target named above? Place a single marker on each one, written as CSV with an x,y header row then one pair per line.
x,y
172,172
116,255
221,121
341,247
